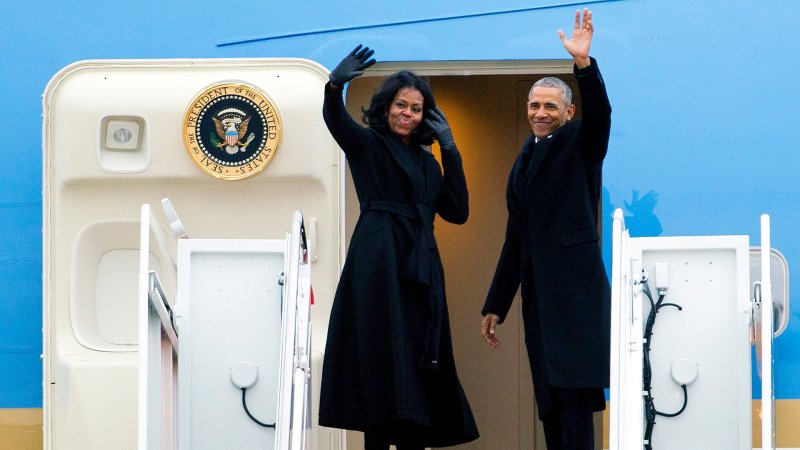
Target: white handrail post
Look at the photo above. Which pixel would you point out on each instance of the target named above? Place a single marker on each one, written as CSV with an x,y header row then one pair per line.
x,y
767,393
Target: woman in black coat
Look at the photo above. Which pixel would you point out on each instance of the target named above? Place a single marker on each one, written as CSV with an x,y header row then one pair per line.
x,y
389,369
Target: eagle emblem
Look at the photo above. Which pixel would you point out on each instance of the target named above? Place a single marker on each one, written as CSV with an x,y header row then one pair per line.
x,y
231,125
232,130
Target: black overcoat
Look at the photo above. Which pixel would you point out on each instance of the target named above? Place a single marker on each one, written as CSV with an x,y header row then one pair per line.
x,y
388,359
552,249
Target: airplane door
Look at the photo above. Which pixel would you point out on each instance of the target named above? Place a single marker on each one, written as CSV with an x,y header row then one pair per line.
x,y
237,145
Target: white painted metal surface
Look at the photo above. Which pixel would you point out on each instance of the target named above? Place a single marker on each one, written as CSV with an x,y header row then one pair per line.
x,y
229,308
243,312
92,195
767,327
294,401
625,401
708,277
158,346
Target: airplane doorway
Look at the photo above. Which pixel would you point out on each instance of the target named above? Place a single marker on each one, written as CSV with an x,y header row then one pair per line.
x,y
485,104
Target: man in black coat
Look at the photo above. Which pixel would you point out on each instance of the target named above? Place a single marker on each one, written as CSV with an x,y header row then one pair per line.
x,y
552,249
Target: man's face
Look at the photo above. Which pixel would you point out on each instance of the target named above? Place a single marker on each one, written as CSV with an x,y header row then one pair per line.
x,y
547,111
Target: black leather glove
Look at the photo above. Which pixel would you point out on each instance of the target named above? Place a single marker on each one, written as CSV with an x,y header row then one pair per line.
x,y
437,122
352,66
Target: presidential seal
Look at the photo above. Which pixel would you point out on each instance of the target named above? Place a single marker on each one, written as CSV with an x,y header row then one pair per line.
x,y
232,131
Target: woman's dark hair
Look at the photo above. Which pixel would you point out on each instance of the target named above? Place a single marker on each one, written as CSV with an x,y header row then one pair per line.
x,y
375,115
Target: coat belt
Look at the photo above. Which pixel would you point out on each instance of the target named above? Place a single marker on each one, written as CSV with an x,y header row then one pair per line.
x,y
418,267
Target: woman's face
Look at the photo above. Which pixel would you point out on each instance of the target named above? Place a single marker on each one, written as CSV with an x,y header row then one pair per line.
x,y
405,113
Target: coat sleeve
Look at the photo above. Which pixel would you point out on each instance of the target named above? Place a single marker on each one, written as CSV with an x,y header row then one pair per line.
x,y
507,275
596,113
351,137
452,204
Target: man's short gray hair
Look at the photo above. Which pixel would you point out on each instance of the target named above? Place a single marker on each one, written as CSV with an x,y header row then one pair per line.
x,y
553,82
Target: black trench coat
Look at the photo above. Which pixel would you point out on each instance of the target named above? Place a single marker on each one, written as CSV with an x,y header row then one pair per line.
x,y
388,358
552,250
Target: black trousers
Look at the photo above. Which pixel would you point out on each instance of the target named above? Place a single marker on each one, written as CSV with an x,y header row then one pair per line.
x,y
570,425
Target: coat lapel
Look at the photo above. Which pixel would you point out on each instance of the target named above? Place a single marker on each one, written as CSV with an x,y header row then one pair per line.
x,y
545,147
421,180
540,152
429,186
400,153
402,156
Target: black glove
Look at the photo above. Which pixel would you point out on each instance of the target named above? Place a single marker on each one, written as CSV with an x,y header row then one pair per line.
x,y
437,122
352,66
